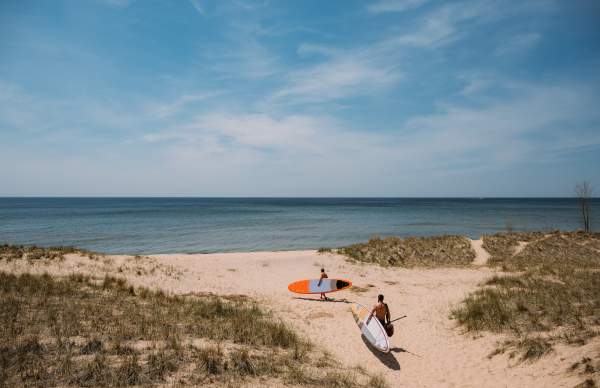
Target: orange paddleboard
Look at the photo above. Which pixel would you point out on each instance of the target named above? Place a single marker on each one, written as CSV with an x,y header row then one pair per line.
x,y
312,286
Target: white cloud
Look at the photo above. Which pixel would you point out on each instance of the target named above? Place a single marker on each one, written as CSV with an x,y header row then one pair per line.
x,y
243,56
341,77
306,49
119,3
443,25
50,118
197,6
505,131
518,43
372,68
215,132
385,6
450,22
167,109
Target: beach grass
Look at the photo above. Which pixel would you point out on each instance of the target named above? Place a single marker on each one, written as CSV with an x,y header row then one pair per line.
x,y
550,296
439,251
18,252
81,331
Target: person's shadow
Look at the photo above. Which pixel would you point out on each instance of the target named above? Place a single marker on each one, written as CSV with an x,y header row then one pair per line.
x,y
386,359
331,300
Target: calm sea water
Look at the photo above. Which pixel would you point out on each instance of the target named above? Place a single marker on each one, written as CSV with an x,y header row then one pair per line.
x,y
163,225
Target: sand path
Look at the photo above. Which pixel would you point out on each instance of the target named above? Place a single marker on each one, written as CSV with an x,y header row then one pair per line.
x,y
520,247
481,255
428,349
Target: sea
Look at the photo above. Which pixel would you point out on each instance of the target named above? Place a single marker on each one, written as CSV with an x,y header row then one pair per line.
x,y
202,225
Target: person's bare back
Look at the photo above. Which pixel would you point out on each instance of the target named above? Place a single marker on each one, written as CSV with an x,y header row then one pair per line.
x,y
381,311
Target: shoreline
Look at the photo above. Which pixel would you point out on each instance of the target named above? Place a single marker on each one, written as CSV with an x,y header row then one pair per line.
x,y
309,249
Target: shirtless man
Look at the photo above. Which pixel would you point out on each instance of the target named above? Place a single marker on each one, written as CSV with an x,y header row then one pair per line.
x,y
381,311
323,276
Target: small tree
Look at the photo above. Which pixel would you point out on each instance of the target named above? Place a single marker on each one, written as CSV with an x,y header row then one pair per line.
x,y
584,192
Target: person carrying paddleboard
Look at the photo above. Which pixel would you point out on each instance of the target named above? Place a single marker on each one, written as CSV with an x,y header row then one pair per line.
x,y
323,276
381,312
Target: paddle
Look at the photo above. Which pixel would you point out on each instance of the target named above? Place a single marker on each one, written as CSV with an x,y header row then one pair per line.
x,y
404,316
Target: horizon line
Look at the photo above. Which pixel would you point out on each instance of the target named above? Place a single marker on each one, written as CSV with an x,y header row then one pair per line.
x,y
276,197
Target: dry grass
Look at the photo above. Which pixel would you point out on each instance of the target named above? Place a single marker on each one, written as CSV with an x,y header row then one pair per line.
x,y
553,295
21,252
503,245
554,254
79,331
413,251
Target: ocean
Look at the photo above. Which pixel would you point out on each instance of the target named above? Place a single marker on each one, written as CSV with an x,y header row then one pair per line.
x,y
192,225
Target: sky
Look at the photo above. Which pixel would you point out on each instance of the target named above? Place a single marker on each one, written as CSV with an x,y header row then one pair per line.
x,y
415,98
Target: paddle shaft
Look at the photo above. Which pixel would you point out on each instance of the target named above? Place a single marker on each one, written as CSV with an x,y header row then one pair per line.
x,y
404,316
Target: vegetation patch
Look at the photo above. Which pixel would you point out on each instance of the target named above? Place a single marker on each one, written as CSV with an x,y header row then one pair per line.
x,y
79,331
554,254
19,252
413,251
552,296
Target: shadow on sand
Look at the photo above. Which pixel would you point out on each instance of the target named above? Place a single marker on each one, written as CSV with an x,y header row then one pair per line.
x,y
331,300
386,359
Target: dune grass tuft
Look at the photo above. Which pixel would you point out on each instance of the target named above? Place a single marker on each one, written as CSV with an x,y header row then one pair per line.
x,y
18,252
413,251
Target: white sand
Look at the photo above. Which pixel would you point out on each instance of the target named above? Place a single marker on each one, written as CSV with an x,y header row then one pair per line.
x,y
481,255
428,349
520,247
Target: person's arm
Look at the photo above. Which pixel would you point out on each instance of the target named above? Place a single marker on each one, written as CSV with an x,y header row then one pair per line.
x,y
320,280
370,315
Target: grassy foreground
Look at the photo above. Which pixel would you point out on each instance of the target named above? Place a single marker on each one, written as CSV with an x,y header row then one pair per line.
x,y
413,251
79,331
550,296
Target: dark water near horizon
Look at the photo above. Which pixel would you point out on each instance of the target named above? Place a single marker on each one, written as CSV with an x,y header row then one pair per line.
x,y
166,225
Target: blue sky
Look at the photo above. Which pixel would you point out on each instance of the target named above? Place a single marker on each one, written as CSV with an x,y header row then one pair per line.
x,y
299,98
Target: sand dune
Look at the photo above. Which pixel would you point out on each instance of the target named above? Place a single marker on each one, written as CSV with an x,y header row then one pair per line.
x,y
428,349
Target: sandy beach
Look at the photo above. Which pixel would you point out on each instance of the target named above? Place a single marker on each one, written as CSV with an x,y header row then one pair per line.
x,y
428,349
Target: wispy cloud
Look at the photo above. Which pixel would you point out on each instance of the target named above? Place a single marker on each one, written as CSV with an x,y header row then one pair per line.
x,y
243,55
450,22
343,76
505,130
518,43
386,6
46,117
375,66
444,24
217,131
198,6
167,109
118,3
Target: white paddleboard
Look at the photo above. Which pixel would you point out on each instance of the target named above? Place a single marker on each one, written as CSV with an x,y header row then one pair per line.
x,y
374,331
